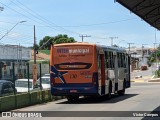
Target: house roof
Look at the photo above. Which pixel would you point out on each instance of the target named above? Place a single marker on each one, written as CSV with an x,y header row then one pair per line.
x,y
148,10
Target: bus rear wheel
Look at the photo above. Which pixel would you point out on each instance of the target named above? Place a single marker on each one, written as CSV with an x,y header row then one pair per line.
x,y
109,91
122,92
72,98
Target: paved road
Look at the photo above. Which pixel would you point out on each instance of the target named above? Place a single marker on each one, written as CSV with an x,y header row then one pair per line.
x,y
144,73
140,97
144,76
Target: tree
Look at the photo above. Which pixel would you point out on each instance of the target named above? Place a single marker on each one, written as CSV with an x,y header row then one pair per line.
x,y
47,40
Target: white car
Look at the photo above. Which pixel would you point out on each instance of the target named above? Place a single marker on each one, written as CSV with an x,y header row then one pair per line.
x,y
22,85
46,75
45,82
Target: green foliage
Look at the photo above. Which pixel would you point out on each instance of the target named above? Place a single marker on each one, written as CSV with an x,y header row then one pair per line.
x,y
157,73
47,41
152,59
45,51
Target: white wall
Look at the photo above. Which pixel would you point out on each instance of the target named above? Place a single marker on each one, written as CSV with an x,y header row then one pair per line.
x,y
12,52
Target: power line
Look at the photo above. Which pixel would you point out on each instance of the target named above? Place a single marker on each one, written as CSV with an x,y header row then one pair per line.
x,y
18,12
25,10
51,24
61,27
105,23
86,25
47,21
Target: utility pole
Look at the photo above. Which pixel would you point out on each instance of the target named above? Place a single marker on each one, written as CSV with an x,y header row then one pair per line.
x,y
142,49
129,47
34,45
155,48
84,36
112,40
35,73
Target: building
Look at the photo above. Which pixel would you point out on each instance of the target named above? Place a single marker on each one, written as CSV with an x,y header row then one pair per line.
x,y
16,54
139,56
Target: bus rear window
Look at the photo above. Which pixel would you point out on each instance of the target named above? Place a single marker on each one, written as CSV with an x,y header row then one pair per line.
x,y
73,57
73,66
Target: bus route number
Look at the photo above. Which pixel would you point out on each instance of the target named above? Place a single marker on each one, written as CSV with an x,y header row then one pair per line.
x,y
73,76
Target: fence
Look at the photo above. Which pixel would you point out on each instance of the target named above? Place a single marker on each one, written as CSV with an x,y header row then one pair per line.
x,y
28,85
33,73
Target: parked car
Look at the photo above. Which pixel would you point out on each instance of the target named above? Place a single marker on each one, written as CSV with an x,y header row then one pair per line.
x,y
46,75
22,85
45,82
144,67
6,88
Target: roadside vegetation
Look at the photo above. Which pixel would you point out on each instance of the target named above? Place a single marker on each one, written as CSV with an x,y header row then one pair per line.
x,y
45,51
156,54
44,44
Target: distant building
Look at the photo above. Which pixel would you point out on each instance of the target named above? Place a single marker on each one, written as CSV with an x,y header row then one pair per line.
x,y
139,56
14,53
10,54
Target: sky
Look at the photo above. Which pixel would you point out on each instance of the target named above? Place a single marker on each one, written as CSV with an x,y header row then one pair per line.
x,y
98,19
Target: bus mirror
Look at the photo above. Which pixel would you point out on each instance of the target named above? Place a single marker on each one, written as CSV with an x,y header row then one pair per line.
x,y
114,53
101,51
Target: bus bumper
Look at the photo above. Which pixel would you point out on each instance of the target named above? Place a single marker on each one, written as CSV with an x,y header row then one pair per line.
x,y
59,91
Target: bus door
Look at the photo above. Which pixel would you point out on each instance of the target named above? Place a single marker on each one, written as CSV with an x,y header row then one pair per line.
x,y
116,69
102,71
128,71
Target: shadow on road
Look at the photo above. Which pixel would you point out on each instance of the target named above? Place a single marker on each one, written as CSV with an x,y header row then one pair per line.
x,y
100,100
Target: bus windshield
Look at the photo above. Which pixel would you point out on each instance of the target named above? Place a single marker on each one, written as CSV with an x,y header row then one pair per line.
x,y
73,57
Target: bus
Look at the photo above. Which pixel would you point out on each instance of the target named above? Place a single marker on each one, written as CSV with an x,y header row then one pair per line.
x,y
84,69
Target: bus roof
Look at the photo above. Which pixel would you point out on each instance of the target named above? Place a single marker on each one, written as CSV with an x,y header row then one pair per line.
x,y
117,49
76,43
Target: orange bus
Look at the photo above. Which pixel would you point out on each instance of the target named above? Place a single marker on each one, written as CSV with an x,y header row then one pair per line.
x,y
84,69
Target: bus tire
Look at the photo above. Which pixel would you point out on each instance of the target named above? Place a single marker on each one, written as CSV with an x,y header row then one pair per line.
x,y
109,91
122,92
72,98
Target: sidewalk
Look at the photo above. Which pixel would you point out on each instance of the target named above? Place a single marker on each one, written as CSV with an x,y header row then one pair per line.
x,y
146,79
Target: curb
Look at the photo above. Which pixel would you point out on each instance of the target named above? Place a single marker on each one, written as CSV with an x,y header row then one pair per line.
x,y
142,80
154,80
138,80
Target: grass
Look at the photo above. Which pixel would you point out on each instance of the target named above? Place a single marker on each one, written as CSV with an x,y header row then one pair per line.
x,y
45,51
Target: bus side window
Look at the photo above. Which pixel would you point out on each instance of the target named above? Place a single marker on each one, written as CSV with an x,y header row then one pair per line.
x,y
109,59
123,59
99,62
112,59
106,59
118,56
